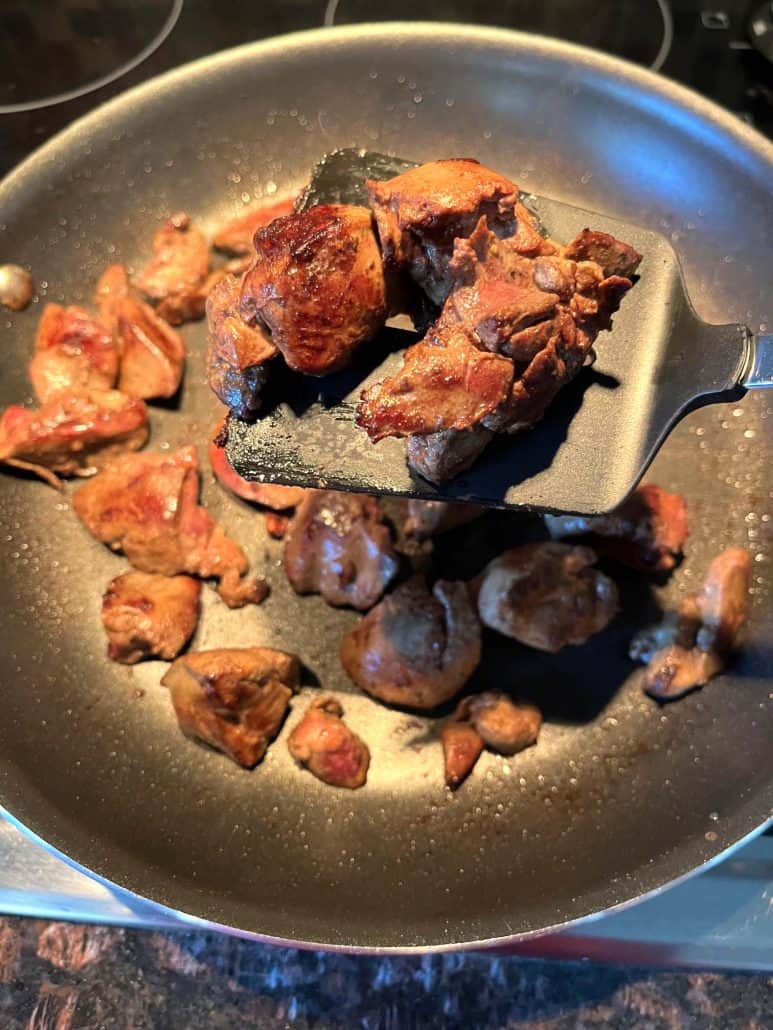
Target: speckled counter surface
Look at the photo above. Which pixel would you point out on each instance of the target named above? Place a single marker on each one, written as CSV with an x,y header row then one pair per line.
x,y
58,976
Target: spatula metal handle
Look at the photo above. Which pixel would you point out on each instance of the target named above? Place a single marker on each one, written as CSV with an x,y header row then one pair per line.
x,y
758,369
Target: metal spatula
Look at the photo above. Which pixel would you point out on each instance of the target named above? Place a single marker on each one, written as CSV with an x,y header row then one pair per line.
x,y
595,441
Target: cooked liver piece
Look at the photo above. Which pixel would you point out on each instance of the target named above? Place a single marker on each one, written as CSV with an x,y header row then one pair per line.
x,y
420,213
693,644
546,595
234,699
237,354
416,648
146,506
149,616
152,354
236,236
73,351
72,434
507,291
647,531
506,726
174,277
462,747
324,744
317,284
339,545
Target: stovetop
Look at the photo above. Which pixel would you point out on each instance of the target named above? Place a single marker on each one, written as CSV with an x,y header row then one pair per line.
x,y
68,48
59,61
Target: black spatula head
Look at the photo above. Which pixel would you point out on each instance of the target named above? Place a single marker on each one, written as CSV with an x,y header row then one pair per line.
x,y
597,437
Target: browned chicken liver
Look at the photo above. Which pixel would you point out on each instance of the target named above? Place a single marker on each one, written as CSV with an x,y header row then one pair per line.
x,y
420,213
546,595
507,291
462,747
506,726
149,616
324,744
416,648
446,383
614,257
647,531
72,434
73,352
146,506
236,236
234,699
339,545
491,720
16,287
693,644
152,354
174,278
317,284
237,354
441,456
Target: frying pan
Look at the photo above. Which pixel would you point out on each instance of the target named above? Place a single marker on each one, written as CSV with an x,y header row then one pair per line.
x,y
620,796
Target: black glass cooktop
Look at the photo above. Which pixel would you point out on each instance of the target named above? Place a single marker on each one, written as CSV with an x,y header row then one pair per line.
x,y
59,60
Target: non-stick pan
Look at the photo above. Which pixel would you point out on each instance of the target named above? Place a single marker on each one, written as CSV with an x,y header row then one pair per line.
x,y
620,796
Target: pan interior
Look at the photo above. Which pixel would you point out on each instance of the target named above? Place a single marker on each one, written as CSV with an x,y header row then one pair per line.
x,y
619,796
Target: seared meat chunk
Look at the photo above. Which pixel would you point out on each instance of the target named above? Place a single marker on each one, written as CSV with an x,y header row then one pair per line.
x,y
538,316
146,506
72,434
692,645
73,352
237,354
149,616
270,495
446,382
647,531
520,298
318,285
505,726
676,670
543,313
555,364
489,719
324,744
428,518
339,545
420,213
497,291
546,595
441,456
16,287
462,747
234,699
174,278
236,236
152,354
416,648
614,256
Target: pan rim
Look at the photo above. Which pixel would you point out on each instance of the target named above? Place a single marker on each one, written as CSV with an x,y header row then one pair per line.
x,y
192,921
413,31
508,41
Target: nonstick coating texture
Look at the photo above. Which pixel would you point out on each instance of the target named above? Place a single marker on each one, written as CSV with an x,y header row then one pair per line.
x,y
620,796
